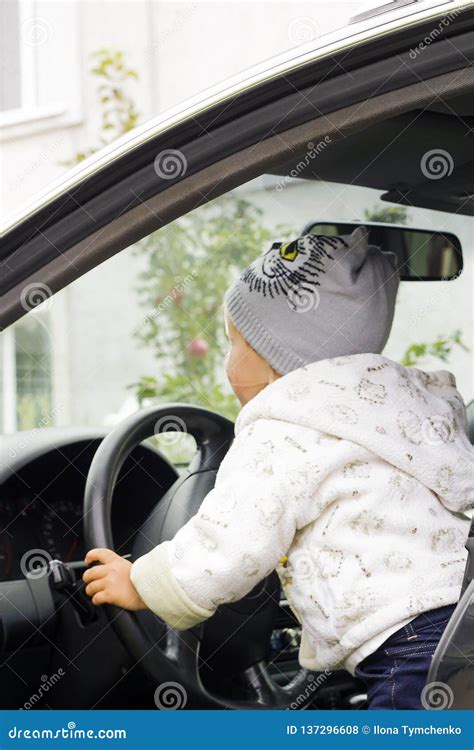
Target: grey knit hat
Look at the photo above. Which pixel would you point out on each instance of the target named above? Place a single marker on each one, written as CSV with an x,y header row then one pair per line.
x,y
315,298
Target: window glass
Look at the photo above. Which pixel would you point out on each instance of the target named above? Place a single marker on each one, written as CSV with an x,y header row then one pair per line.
x,y
10,69
33,373
147,326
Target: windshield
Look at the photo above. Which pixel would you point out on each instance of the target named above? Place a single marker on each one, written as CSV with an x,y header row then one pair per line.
x,y
146,326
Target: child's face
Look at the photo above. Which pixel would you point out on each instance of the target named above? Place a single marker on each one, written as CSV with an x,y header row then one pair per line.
x,y
248,373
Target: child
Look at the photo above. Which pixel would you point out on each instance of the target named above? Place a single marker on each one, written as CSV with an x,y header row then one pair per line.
x,y
342,476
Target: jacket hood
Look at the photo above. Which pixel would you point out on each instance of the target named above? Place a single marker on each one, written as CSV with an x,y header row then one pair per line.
x,y
412,419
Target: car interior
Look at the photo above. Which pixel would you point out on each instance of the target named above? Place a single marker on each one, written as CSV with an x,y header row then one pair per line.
x,y
443,125
247,655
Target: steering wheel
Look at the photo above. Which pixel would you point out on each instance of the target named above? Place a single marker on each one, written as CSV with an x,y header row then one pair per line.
x,y
237,636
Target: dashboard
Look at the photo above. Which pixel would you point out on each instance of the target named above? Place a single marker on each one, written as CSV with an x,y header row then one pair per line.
x,y
41,498
52,528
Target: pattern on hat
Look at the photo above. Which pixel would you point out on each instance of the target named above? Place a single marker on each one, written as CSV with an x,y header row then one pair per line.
x,y
292,268
316,297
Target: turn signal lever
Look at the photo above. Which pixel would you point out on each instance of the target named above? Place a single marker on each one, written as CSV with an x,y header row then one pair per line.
x,y
64,578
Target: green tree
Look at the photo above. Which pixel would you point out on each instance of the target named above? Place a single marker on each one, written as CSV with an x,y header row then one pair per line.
x,y
119,114
440,348
189,265
387,214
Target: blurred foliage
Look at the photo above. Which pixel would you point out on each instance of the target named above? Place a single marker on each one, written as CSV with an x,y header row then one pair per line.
x,y
441,349
189,265
387,214
179,451
31,411
118,111
33,365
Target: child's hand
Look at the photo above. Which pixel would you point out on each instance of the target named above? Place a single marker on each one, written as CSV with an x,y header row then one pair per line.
x,y
110,582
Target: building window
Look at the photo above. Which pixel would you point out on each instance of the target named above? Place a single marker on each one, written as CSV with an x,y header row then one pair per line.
x,y
33,87
21,35
26,375
10,63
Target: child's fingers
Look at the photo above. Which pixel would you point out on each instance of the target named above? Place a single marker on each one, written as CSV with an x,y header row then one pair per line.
x,y
94,587
100,554
100,598
92,574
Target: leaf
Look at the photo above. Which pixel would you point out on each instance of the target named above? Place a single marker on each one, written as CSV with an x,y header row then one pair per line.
x,y
440,348
119,114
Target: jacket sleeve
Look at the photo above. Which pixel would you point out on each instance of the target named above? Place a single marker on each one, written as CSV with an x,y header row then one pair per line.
x,y
242,529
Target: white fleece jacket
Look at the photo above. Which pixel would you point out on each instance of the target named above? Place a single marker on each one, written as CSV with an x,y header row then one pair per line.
x,y
350,468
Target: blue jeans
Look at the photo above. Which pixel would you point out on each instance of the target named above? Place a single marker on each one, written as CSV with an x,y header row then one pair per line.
x,y
396,673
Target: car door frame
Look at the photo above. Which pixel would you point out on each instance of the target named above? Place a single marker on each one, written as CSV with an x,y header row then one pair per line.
x,y
127,199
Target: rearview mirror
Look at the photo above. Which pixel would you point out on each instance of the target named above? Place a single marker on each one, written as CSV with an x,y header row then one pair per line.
x,y
423,255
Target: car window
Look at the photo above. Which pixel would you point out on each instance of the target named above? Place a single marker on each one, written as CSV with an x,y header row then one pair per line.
x,y
146,326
